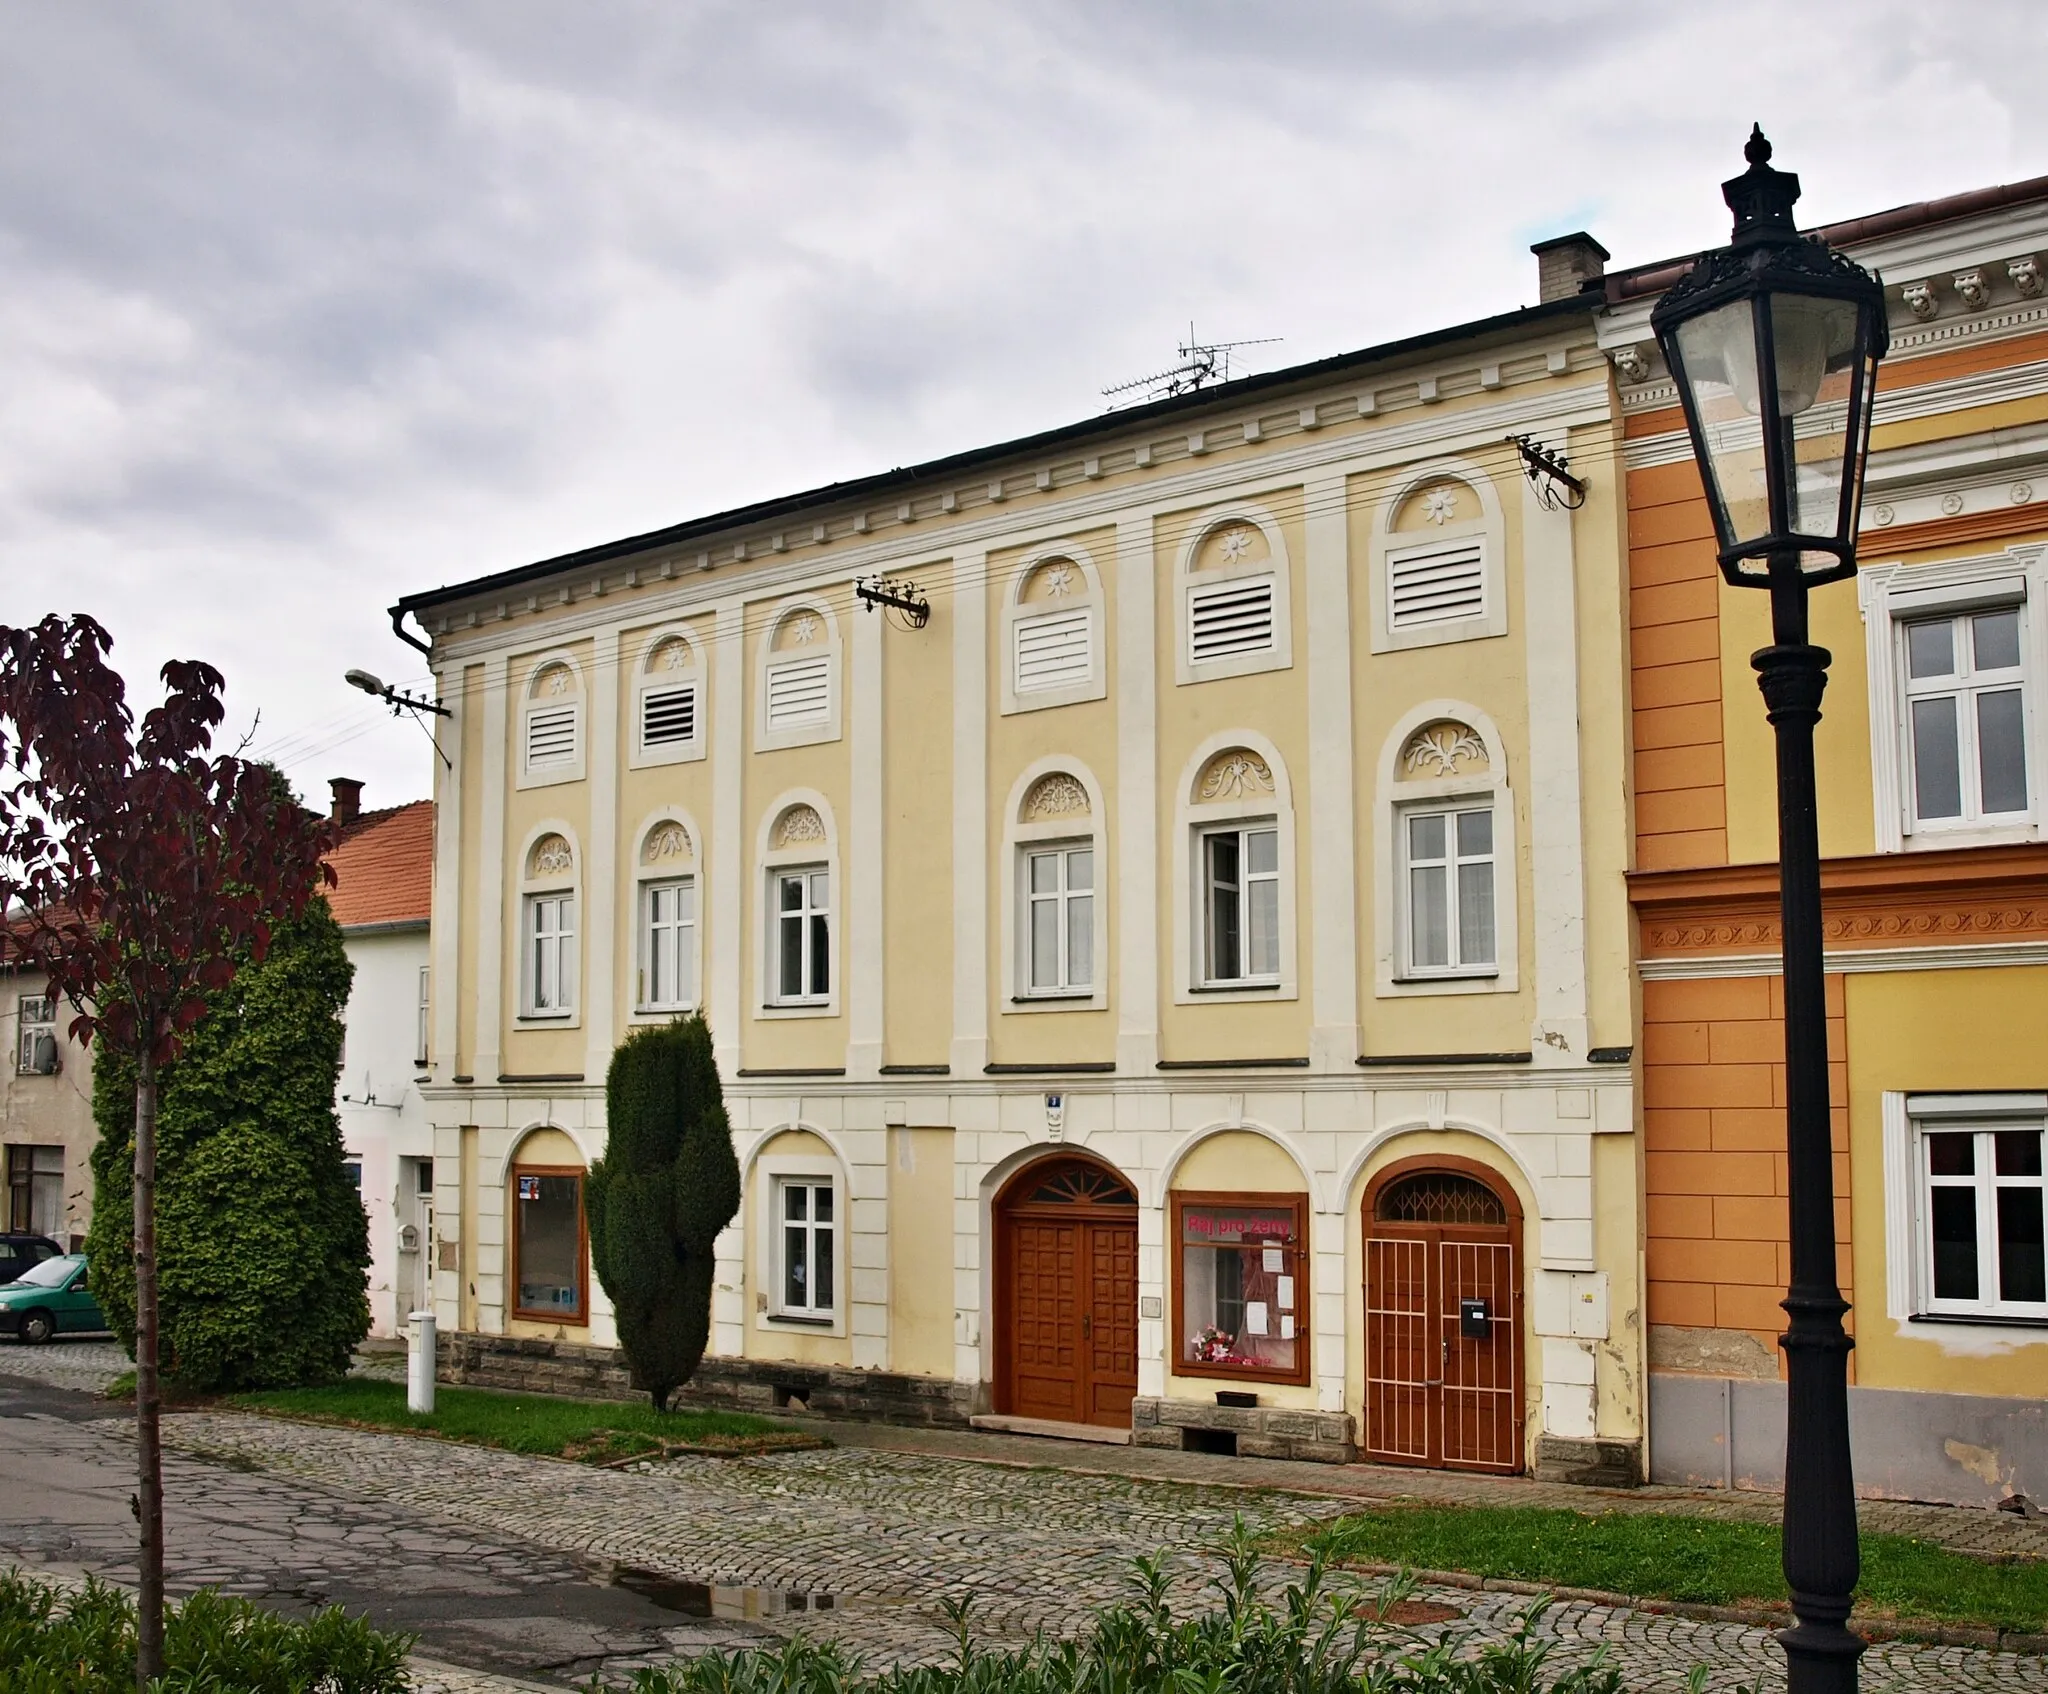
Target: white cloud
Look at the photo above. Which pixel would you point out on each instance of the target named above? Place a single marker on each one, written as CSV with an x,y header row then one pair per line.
x,y
306,307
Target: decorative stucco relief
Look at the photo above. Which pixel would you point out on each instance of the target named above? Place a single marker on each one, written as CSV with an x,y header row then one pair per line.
x,y
798,826
552,856
1444,748
1236,775
1056,796
668,841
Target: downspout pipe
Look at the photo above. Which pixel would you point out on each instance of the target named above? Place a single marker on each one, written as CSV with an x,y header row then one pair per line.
x,y
398,629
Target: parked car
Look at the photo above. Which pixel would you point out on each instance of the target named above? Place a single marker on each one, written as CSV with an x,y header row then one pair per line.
x,y
48,1299
19,1250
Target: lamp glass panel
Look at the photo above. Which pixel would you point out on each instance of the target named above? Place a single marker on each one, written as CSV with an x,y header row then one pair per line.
x,y
1814,338
1717,351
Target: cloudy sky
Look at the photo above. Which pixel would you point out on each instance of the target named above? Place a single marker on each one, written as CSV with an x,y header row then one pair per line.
x,y
305,306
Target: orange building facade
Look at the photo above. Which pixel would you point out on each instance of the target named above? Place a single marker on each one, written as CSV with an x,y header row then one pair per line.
x,y
1933,765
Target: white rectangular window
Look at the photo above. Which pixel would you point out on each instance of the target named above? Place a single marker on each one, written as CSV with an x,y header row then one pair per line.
x,y
1449,874
802,965
668,716
422,1049
550,737
36,1053
1966,719
550,949
1980,1217
805,1224
1436,583
1232,618
668,945
1059,919
1054,651
799,693
1241,905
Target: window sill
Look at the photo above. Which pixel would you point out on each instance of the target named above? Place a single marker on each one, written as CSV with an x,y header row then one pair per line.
x,y
801,1322
1997,1320
1232,1373
1061,997
1247,987
649,1013
1423,979
1936,838
545,1018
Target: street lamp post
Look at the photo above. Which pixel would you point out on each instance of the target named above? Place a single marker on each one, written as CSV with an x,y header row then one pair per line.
x,y
1773,342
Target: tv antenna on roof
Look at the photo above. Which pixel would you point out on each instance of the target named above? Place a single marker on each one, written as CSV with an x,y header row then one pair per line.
x,y
1202,362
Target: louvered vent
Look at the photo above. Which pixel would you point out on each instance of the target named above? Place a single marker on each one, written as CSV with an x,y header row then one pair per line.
x,y
550,736
1053,651
668,716
1437,584
1232,619
800,693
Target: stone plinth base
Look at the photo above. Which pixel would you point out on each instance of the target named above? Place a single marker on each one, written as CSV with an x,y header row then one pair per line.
x,y
526,1365
1589,1461
1250,1432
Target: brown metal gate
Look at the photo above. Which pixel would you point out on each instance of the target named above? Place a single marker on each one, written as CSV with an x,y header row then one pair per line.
x,y
1443,1332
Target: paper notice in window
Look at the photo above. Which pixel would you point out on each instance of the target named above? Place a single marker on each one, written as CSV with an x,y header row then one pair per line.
x,y
1286,1326
1255,1318
1276,1260
1283,1296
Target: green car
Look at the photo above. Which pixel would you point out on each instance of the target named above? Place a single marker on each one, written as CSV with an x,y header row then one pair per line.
x,y
49,1299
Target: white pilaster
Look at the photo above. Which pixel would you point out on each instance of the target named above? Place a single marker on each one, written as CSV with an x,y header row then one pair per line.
x,y
969,607
726,906
1332,813
446,983
491,1010
1136,842
601,856
1556,826
864,881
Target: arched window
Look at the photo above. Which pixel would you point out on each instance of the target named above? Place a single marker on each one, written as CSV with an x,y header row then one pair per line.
x,y
669,897
1437,560
1234,857
1234,596
668,700
1446,856
799,697
1052,632
1057,928
551,724
1439,1197
800,937
548,939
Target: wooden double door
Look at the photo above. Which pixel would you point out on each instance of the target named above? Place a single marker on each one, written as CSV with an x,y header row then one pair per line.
x,y
1066,1294
1443,1332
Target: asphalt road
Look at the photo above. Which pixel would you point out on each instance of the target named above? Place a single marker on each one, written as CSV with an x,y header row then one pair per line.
x,y
66,1489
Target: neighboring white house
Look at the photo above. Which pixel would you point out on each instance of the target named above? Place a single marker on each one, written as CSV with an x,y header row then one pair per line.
x,y
384,885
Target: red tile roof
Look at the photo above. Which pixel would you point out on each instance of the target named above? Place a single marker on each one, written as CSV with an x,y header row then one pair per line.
x,y
384,867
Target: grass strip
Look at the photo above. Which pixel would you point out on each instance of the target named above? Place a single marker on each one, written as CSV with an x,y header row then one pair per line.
x,y
532,1423
1670,1556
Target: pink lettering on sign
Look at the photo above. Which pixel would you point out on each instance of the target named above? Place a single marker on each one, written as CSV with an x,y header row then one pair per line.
x,y
1224,1227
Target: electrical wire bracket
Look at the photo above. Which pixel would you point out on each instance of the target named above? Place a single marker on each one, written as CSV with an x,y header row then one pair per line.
x,y
1549,473
897,596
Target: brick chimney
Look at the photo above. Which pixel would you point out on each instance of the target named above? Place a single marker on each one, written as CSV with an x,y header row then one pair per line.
x,y
1566,263
348,799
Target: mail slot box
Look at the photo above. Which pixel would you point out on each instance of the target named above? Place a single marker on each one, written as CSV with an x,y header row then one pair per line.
x,y
1475,1320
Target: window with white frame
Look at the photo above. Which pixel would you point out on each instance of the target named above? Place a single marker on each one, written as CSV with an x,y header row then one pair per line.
x,y
801,935
1059,918
806,1225
421,1047
1979,1204
668,944
1449,907
1240,906
1965,710
36,1052
550,955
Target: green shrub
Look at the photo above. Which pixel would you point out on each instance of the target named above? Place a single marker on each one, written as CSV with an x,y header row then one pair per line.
x,y
1323,1636
667,1184
262,1239
84,1643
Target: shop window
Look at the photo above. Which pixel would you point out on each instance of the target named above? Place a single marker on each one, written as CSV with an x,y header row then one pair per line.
x,y
548,1254
1240,1288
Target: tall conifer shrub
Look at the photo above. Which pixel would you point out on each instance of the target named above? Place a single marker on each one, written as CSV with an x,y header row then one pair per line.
x,y
667,1184
262,1239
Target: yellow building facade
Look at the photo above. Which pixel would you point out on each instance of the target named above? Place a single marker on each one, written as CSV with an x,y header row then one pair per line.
x,y
1933,760
1176,982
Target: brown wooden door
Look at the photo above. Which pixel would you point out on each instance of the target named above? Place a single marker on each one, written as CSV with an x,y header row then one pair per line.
x,y
1067,1295
1435,1395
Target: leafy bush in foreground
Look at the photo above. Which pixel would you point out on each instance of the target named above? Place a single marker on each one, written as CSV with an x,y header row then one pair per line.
x,y
53,1642
1318,1638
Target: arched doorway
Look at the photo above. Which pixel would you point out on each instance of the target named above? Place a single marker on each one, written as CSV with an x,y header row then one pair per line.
x,y
1066,1294
1443,1318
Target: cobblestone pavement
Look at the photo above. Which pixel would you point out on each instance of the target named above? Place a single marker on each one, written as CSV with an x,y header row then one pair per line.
x,y
887,1534
84,1364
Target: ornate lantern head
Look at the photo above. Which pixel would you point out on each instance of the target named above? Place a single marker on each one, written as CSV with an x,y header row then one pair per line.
x,y
1773,341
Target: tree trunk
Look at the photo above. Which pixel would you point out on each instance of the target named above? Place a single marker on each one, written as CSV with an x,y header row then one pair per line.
x,y
149,1629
